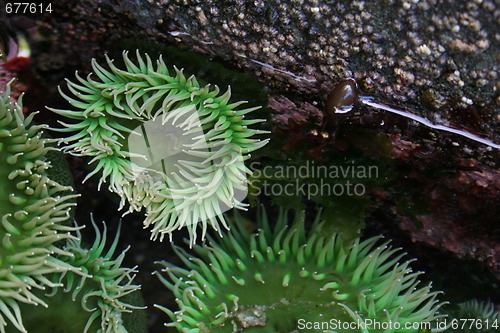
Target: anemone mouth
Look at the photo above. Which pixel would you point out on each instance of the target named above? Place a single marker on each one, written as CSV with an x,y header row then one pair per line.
x,y
277,278
164,142
62,315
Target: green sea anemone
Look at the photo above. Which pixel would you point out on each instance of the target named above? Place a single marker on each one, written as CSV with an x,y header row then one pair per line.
x,y
475,317
94,300
32,211
163,142
286,279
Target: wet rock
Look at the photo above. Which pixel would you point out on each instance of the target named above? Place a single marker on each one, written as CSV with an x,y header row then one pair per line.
x,y
404,51
461,196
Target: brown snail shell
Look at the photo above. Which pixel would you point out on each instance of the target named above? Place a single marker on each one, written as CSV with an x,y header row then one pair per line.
x,y
343,97
340,100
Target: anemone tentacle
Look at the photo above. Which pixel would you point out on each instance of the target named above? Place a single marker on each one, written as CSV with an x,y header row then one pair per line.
x,y
485,314
270,280
92,301
32,211
209,167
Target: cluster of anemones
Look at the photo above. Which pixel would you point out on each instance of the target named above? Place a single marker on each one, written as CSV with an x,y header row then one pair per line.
x,y
34,214
281,278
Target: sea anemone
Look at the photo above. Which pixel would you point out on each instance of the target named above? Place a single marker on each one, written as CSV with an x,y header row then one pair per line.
x,y
284,279
95,299
486,318
163,142
32,211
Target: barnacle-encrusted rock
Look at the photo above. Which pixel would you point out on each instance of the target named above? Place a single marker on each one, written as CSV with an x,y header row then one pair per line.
x,y
32,211
273,280
399,50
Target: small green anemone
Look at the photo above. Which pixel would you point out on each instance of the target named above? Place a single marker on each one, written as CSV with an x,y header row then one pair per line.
x,y
32,211
287,279
475,316
163,142
93,300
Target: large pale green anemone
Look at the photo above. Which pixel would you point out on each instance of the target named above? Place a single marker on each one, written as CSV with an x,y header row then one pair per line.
x,y
93,301
279,279
208,166
32,211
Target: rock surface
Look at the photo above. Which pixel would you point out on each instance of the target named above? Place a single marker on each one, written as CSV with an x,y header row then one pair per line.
x,y
437,58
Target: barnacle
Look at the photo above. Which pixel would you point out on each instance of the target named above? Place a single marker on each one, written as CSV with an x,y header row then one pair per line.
x,y
273,280
32,209
92,300
188,165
